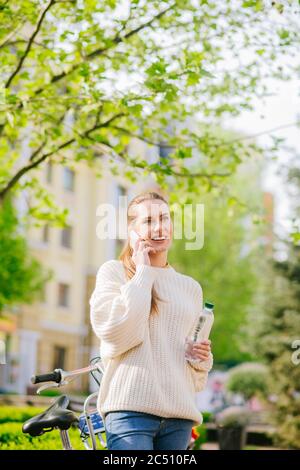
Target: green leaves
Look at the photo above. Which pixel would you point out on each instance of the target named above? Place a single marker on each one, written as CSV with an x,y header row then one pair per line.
x,y
43,207
157,77
183,153
257,5
295,237
157,69
96,76
21,276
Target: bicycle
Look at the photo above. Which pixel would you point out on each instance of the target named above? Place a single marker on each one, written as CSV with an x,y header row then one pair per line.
x,y
58,416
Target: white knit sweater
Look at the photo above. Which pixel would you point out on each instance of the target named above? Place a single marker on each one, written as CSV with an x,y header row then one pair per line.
x,y
143,354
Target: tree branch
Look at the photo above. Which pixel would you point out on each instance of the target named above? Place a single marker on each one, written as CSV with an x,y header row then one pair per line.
x,y
35,162
116,40
37,151
119,38
93,54
176,173
11,34
143,139
188,175
22,41
30,42
201,175
13,181
258,134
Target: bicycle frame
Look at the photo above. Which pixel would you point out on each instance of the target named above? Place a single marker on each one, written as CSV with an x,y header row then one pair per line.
x,y
90,425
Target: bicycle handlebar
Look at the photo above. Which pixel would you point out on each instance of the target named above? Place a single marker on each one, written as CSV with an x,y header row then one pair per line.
x,y
54,376
62,377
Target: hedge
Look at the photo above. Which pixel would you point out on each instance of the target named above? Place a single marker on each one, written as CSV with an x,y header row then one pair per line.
x,y
12,437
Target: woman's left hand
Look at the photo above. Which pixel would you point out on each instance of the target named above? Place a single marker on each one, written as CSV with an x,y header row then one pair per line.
x,y
202,349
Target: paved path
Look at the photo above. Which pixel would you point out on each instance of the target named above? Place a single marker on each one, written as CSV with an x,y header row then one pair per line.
x,y
214,446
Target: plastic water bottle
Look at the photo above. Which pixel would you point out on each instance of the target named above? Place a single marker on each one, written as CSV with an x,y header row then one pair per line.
x,y
202,331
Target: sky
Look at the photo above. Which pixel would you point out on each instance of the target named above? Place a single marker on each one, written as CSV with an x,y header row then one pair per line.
x,y
280,109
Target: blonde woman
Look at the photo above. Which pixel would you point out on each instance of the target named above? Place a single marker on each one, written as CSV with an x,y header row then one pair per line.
x,y
141,310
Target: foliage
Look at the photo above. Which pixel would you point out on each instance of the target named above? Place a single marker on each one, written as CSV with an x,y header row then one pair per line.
x,y
12,437
201,436
232,417
50,393
226,265
200,431
18,414
275,326
80,80
248,379
21,276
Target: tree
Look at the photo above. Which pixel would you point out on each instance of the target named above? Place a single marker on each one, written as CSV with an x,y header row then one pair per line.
x,y
226,266
21,276
81,79
275,327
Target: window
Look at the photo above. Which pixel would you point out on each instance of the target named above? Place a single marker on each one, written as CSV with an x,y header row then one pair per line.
x,y
121,191
63,295
49,172
66,237
164,150
45,233
59,357
68,179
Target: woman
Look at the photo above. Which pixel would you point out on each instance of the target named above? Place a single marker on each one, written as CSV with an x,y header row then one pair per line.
x,y
142,309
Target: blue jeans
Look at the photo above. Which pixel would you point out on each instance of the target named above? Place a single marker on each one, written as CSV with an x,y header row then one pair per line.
x,y
134,430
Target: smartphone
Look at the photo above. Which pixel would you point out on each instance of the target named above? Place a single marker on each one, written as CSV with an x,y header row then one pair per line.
x,y
133,236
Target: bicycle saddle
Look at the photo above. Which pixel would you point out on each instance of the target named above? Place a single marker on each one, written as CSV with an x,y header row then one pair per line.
x,y
56,416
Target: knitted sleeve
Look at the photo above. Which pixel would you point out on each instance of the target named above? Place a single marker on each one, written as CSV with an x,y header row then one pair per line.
x,y
119,311
203,365
200,372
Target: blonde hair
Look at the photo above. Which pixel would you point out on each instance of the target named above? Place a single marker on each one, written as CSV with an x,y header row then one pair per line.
x,y
126,253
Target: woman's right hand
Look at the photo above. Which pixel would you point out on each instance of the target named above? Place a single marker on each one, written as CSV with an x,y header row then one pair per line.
x,y
140,253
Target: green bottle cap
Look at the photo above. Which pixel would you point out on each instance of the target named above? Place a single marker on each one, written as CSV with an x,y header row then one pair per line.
x,y
209,305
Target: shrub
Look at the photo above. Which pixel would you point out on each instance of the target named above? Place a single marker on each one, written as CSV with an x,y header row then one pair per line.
x,y
248,379
12,437
233,417
201,433
9,414
50,393
207,415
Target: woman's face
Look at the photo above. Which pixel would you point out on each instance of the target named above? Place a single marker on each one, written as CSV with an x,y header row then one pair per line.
x,y
153,220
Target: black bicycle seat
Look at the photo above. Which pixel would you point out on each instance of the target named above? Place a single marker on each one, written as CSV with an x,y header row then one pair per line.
x,y
56,416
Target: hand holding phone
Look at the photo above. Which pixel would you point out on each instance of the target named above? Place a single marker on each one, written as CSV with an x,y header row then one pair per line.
x,y
140,254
